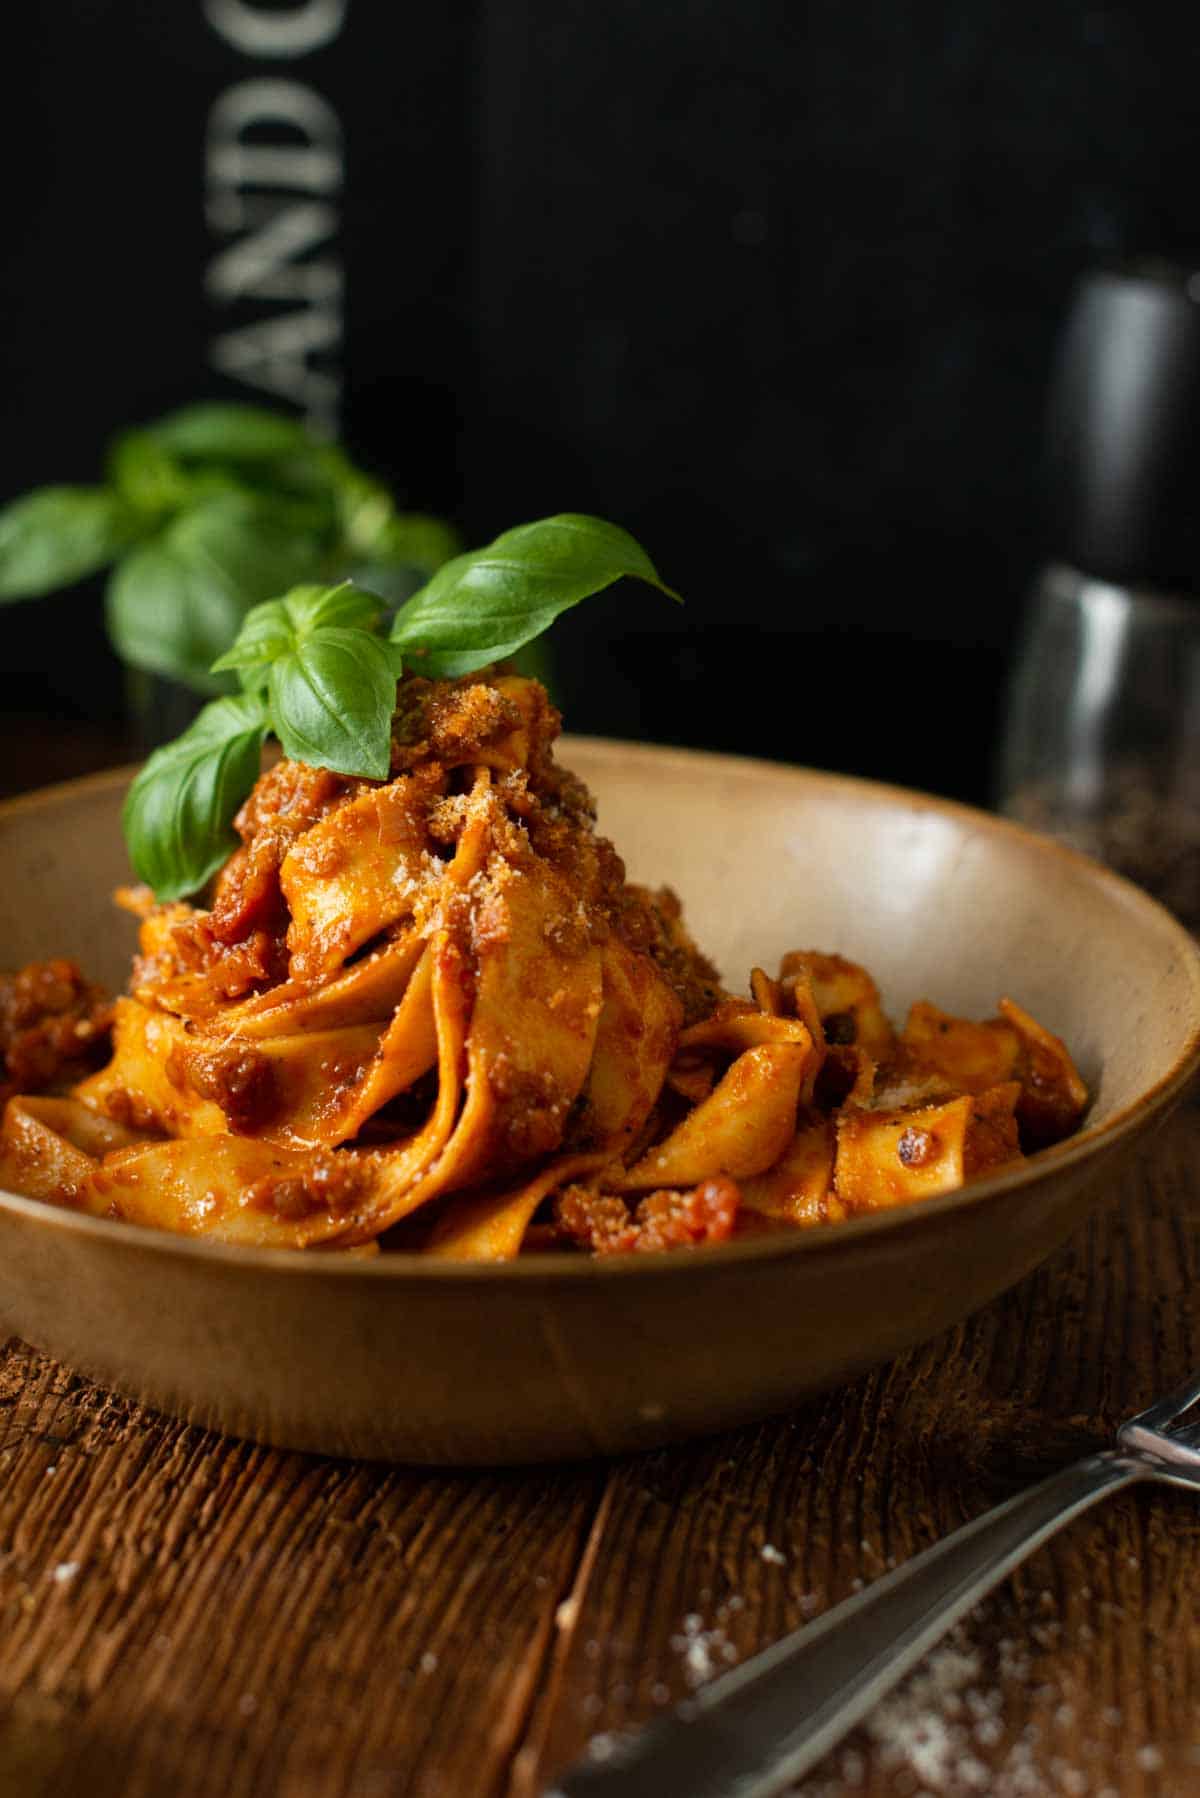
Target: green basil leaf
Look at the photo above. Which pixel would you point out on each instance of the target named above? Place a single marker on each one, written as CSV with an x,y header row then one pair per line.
x,y
57,535
265,635
365,508
416,540
216,432
305,476
486,604
165,617
175,603
146,476
392,582
332,700
178,814
363,505
316,608
275,628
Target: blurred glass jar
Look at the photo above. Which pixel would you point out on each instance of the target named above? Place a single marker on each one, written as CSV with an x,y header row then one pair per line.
x,y
1101,740
1102,745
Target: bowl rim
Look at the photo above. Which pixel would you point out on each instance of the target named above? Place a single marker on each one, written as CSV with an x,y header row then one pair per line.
x,y
558,1268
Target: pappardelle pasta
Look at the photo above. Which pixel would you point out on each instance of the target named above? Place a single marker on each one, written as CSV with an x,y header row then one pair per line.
x,y
430,1014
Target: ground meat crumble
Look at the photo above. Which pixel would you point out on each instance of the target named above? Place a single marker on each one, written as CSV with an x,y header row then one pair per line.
x,y
54,1027
603,1224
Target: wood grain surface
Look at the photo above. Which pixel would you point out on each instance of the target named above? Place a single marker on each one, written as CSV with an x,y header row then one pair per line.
x,y
34,753
183,1614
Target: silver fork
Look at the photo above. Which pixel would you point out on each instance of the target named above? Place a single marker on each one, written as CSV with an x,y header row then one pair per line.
x,y
772,1719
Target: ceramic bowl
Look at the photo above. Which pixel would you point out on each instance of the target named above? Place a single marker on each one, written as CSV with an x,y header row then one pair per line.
x,y
436,1362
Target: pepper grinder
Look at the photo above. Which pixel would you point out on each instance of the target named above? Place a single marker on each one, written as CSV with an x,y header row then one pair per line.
x,y
1101,739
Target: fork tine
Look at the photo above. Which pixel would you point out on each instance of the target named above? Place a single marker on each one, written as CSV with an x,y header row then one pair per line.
x,y
1164,1411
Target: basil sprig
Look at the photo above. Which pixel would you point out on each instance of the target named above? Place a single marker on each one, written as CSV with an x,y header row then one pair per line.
x,y
204,514
178,814
317,672
489,603
330,681
57,535
173,602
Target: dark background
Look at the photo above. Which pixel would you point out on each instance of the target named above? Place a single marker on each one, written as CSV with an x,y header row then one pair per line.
x,y
777,286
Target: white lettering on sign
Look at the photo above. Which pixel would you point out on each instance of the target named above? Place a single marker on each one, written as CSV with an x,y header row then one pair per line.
x,y
276,355
269,263
291,31
297,141
274,169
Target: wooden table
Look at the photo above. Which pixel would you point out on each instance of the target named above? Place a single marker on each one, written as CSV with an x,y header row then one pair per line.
x,y
184,1614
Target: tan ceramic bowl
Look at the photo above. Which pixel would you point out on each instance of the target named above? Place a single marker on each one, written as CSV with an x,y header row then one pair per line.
x,y
409,1360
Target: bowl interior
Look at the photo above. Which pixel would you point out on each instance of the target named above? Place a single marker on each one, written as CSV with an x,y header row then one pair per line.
x,y
938,901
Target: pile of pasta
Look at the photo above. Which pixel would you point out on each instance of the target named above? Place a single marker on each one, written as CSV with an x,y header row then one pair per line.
x,y
432,1012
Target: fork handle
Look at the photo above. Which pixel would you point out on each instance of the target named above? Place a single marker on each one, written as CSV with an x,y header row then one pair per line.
x,y
770,1720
